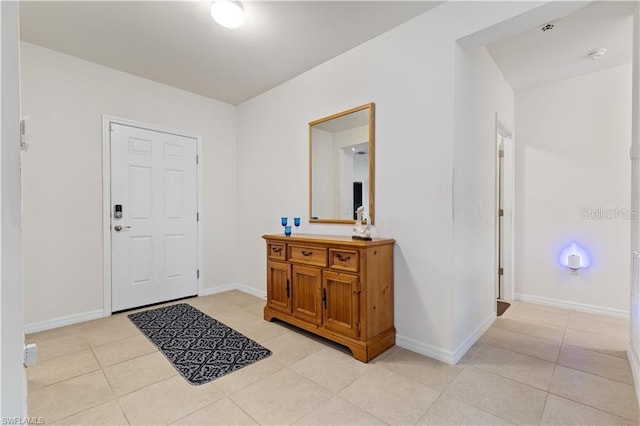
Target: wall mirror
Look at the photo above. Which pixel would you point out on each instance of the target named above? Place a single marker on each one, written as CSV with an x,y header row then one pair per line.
x,y
341,165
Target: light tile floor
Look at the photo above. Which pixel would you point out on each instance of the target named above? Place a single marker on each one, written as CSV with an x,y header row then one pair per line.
x,y
535,365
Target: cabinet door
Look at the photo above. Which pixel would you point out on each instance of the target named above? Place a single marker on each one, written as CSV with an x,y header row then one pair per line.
x,y
278,286
341,300
306,294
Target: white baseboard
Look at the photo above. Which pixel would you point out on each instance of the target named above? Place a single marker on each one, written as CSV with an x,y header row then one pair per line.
x,y
233,286
582,307
464,347
441,354
634,361
62,321
426,350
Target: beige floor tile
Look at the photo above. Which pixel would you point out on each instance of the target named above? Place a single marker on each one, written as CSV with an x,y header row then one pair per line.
x,y
109,413
390,397
72,396
61,368
167,401
561,411
50,347
611,345
535,307
527,345
471,352
261,330
139,372
337,411
542,331
123,350
244,300
233,317
522,368
109,330
256,311
248,375
609,366
211,305
450,411
604,394
623,321
424,370
331,369
222,412
542,315
280,398
505,398
599,326
289,348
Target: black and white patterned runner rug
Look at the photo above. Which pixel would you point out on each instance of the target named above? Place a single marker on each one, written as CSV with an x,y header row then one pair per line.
x,y
200,347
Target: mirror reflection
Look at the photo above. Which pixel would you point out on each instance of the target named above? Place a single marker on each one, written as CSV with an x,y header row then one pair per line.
x,y
341,150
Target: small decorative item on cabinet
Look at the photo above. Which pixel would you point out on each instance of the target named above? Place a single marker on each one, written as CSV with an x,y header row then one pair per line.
x,y
335,287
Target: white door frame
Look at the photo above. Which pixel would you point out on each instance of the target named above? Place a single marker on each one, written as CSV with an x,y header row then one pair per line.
x,y
508,279
106,199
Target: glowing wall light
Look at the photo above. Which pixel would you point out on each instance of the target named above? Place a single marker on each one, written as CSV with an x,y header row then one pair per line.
x,y
574,257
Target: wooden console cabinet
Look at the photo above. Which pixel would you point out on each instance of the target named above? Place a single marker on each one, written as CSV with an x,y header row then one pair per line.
x,y
336,287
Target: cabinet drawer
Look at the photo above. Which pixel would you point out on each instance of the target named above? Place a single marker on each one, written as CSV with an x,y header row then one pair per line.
x,y
344,260
277,251
308,255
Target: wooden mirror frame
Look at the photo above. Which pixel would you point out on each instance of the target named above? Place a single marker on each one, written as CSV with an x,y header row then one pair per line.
x,y
371,107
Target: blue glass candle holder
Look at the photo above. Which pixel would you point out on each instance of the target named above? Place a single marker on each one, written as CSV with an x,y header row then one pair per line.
x,y
284,221
296,222
287,230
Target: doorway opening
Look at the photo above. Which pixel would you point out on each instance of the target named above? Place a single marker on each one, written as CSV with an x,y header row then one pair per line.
x,y
504,216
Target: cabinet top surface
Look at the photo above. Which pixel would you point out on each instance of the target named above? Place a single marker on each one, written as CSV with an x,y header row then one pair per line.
x,y
328,239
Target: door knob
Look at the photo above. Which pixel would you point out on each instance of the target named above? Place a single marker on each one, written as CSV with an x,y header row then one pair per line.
x,y
119,228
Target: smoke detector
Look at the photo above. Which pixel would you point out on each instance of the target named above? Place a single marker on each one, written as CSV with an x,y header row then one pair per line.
x,y
596,54
547,27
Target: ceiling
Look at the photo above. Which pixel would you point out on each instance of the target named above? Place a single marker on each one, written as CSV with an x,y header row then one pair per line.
x,y
178,43
536,57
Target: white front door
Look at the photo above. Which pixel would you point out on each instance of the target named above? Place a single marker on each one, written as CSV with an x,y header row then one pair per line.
x,y
154,242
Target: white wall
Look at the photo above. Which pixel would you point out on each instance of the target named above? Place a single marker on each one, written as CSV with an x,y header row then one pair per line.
x,y
65,99
481,92
12,377
572,153
414,95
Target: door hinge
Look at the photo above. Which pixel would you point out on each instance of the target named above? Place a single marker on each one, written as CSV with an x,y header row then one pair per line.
x,y
197,159
198,274
111,127
24,133
501,154
197,217
500,271
501,212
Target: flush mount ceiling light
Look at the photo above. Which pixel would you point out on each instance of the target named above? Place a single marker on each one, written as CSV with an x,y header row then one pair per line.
x,y
229,14
596,54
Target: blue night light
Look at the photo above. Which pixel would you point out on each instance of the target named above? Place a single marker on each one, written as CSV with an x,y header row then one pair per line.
x,y
574,257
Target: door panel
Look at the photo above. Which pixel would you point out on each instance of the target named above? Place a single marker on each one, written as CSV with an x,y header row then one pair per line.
x,y
306,285
342,307
278,289
154,178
